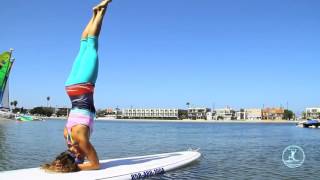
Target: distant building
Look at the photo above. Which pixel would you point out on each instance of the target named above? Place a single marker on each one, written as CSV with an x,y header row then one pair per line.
x,y
312,113
273,113
253,114
118,113
198,113
109,113
153,113
224,114
241,115
210,115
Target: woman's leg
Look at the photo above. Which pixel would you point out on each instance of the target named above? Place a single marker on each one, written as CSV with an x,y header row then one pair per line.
x,y
72,79
86,30
95,28
88,65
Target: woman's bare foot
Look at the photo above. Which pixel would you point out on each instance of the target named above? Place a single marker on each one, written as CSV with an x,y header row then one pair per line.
x,y
102,4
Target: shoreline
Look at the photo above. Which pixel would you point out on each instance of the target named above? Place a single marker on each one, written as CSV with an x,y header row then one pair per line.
x,y
196,121
179,121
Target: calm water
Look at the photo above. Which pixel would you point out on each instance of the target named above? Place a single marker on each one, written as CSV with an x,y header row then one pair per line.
x,y
230,151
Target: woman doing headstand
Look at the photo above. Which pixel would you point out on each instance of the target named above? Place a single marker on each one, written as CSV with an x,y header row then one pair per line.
x,y
80,88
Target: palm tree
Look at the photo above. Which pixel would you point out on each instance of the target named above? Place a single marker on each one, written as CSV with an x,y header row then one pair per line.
x,y
188,104
48,99
15,103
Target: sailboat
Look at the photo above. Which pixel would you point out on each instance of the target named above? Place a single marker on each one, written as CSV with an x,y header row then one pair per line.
x,y
6,62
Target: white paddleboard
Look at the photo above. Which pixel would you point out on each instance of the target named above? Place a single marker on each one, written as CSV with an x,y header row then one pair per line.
x,y
116,169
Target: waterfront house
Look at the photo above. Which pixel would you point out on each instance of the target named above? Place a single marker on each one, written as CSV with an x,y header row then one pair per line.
x,y
241,115
249,114
273,113
312,113
109,113
225,114
253,114
198,113
210,115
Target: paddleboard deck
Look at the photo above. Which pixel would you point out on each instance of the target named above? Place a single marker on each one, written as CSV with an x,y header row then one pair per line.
x,y
138,167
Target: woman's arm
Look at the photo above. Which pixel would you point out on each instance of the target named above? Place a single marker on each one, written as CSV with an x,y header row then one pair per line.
x,y
82,137
65,134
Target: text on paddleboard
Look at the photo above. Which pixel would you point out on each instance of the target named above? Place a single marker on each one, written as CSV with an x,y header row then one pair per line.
x,y
149,173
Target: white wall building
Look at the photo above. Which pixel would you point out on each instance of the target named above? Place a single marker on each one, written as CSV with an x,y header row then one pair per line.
x,y
152,113
312,113
198,113
224,114
209,116
253,114
249,114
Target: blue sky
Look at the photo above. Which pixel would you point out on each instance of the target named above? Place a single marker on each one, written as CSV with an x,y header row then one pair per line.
x,y
241,53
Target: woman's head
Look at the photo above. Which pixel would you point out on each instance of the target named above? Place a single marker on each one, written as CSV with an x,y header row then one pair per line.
x,y
65,162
